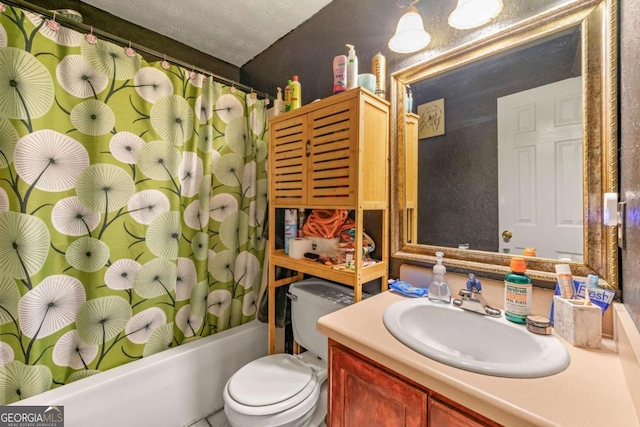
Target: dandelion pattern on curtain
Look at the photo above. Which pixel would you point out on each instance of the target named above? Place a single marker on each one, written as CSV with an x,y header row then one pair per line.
x,y
132,205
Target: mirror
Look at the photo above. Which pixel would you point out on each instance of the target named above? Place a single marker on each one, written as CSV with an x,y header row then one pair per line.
x,y
517,143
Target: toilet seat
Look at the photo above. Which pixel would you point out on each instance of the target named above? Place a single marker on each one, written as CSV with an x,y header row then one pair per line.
x,y
257,388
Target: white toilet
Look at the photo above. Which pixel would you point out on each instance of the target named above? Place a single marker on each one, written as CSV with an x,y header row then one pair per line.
x,y
284,390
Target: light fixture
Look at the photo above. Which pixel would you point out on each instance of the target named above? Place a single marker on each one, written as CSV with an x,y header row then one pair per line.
x,y
410,35
474,13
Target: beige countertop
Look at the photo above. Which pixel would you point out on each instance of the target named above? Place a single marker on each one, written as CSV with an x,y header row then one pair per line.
x,y
592,391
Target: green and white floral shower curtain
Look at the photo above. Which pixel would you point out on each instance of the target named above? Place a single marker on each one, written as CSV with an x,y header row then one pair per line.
x,y
132,205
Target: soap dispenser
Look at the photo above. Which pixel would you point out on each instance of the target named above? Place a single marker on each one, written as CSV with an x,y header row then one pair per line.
x,y
439,289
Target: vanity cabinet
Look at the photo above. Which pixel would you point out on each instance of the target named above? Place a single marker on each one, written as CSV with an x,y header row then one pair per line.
x,y
363,393
331,154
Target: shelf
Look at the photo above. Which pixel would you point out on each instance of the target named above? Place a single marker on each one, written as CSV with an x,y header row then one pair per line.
x,y
332,154
346,277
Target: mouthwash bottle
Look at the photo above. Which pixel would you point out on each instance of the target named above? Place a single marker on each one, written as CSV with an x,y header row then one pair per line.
x,y
517,292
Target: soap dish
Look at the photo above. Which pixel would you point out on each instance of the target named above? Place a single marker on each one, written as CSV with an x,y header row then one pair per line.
x,y
539,325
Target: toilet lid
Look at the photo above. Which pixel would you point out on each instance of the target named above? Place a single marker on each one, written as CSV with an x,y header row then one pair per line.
x,y
269,380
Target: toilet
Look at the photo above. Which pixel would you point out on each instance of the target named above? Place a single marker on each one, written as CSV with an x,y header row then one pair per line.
x,y
283,390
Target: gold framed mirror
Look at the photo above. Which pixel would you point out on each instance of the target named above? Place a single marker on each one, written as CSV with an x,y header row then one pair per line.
x,y
594,22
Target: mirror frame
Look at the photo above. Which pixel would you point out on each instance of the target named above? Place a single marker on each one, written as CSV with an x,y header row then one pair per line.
x,y
598,22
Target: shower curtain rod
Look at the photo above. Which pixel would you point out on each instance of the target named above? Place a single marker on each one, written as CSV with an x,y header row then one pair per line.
x,y
119,40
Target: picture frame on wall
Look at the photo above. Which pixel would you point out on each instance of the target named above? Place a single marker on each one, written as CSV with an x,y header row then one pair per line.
x,y
431,122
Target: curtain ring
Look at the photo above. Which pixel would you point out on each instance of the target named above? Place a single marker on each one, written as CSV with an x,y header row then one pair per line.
x,y
52,24
233,87
91,39
129,51
165,64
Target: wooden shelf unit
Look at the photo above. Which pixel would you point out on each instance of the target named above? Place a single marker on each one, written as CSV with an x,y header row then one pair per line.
x,y
330,154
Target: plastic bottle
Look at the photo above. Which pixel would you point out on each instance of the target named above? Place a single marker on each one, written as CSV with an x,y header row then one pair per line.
x,y
339,74
290,227
352,68
278,104
408,105
296,93
301,220
379,69
439,289
517,292
287,96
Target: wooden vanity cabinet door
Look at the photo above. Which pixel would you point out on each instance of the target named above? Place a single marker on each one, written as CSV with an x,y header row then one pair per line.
x,y
446,415
363,395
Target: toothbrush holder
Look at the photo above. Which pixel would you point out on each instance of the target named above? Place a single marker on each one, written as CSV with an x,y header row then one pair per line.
x,y
578,324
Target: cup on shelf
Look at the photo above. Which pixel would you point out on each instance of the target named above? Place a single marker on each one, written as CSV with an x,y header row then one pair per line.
x,y
367,81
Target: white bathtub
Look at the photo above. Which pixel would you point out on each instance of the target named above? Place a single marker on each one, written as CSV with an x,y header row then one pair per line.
x,y
173,388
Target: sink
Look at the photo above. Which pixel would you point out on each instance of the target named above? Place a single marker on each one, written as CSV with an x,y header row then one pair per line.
x,y
471,341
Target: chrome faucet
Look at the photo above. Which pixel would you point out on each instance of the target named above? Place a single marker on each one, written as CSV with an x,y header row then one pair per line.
x,y
472,300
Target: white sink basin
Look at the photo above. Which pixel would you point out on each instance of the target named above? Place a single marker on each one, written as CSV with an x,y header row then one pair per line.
x,y
471,341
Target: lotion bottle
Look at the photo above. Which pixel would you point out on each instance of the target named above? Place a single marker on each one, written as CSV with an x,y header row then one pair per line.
x,y
278,104
352,68
339,74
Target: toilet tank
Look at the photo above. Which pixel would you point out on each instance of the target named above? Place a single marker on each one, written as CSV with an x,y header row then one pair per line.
x,y
314,298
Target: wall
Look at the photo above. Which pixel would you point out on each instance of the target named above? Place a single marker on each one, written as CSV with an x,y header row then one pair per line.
x,y
309,49
128,31
630,150
451,210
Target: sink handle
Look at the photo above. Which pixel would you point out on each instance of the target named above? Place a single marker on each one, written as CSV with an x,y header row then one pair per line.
x,y
464,293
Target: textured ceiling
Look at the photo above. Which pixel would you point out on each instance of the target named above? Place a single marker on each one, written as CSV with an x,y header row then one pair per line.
x,y
234,31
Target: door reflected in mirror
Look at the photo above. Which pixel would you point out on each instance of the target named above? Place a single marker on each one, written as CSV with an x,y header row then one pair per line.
x,y
507,174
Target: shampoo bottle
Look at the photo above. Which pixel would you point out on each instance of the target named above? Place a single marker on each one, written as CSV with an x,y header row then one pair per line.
x,y
296,93
517,292
339,74
439,288
352,68
287,96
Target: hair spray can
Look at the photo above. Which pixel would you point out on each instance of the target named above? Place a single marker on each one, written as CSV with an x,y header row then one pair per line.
x,y
379,69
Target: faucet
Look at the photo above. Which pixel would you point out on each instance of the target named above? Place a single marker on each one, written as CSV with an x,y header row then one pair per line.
x,y
472,300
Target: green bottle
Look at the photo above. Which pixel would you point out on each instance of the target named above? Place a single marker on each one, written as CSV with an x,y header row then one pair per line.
x,y
517,292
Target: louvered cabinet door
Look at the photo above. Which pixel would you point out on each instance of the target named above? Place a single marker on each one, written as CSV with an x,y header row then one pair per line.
x,y
289,149
332,168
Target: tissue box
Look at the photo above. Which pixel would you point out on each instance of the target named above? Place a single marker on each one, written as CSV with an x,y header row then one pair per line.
x,y
579,324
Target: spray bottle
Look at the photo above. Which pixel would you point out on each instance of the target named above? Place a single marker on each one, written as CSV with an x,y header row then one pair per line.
x,y
290,227
352,68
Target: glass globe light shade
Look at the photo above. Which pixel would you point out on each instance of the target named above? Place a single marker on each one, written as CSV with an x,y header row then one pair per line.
x,y
410,35
474,13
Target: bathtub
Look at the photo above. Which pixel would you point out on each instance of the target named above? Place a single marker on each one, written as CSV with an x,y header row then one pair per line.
x,y
173,388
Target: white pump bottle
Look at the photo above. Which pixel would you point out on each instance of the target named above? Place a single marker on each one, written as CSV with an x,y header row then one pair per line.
x,y
352,68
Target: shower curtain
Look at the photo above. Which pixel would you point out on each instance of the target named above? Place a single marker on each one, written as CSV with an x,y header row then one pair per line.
x,y
132,205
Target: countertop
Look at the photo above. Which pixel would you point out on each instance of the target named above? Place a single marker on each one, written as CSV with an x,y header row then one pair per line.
x,y
592,391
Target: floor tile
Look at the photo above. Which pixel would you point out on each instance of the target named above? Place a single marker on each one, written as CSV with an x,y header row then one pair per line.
x,y
219,419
